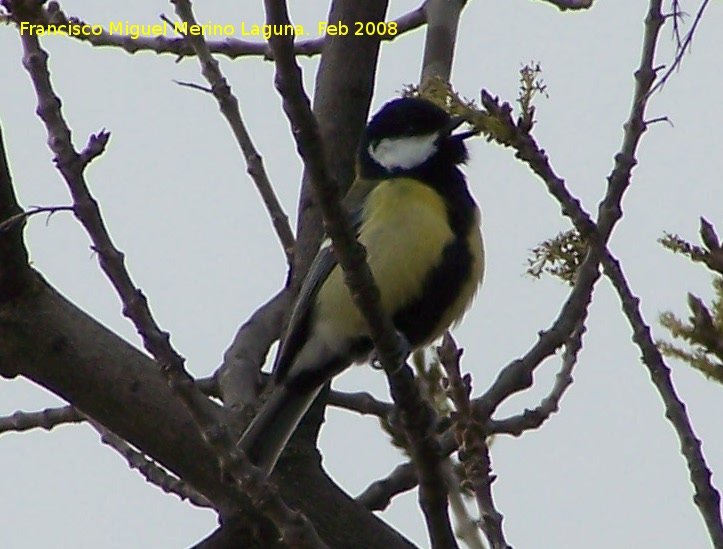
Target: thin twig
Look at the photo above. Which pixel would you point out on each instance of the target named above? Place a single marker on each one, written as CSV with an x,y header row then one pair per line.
x,y
684,44
518,375
22,216
361,402
52,417
677,14
229,107
571,5
149,469
95,147
528,151
706,497
533,419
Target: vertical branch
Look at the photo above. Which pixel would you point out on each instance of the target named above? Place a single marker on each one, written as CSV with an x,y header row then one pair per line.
x,y
342,95
474,452
706,496
14,269
352,259
442,22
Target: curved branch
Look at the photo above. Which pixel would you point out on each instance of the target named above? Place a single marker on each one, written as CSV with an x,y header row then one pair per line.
x,y
238,379
378,495
533,419
22,216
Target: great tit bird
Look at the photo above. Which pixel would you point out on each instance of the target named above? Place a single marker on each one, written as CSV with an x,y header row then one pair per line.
x,y
413,212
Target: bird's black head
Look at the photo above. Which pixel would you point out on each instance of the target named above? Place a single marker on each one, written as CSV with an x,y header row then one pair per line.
x,y
410,136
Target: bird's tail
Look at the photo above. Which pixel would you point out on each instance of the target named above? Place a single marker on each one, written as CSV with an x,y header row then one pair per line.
x,y
267,435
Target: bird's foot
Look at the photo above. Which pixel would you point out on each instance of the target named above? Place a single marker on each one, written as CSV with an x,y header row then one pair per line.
x,y
403,350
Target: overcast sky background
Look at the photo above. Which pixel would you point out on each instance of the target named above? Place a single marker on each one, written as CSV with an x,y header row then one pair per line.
x,y
604,472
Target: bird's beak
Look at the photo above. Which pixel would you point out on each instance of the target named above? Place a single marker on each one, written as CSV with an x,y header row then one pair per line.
x,y
454,123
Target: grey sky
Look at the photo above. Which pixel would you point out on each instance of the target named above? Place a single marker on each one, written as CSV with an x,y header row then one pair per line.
x,y
604,472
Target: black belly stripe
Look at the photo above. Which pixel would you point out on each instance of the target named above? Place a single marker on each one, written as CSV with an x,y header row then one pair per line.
x,y
442,286
418,320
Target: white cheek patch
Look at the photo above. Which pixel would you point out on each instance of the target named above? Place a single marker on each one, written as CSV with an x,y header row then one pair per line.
x,y
404,152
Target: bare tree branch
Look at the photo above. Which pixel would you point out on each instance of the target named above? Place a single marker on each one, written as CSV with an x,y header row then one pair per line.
x,y
361,402
533,419
22,216
565,5
44,419
239,377
14,267
71,166
517,135
518,375
466,527
232,48
472,438
706,497
684,43
378,495
52,417
351,258
442,22
610,211
85,207
150,470
229,106
294,526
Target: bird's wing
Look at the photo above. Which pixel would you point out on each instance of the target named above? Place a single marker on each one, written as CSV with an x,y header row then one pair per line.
x,y
324,262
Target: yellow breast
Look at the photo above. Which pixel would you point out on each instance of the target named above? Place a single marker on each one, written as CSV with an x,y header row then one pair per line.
x,y
405,229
